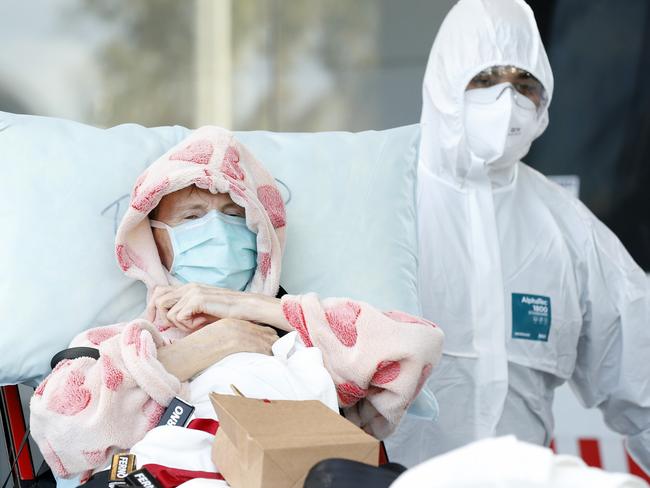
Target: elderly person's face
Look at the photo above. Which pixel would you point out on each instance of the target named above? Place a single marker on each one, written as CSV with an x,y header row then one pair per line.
x,y
187,204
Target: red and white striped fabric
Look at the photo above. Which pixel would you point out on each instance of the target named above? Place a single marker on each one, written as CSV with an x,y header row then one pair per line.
x,y
581,432
176,455
607,452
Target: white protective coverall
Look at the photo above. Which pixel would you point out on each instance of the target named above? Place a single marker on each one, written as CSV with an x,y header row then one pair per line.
x,y
501,249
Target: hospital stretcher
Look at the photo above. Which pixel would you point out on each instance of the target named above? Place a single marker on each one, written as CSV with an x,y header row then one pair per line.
x,y
24,474
18,450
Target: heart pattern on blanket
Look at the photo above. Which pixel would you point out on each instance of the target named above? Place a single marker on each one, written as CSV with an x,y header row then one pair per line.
x,y
138,184
264,263
153,411
386,372
274,205
424,375
101,334
132,335
145,203
199,152
112,377
230,165
73,397
350,393
342,319
296,317
406,318
41,388
126,258
204,181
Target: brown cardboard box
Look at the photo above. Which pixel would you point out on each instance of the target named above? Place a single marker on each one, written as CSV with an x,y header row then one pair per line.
x,y
274,444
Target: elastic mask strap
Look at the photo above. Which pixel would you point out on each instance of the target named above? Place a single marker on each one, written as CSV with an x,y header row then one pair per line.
x,y
158,225
161,225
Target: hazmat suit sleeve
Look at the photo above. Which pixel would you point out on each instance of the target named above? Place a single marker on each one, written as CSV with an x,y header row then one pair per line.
x,y
87,409
613,363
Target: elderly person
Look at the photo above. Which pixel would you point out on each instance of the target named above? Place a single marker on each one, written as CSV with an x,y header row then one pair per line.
x,y
205,233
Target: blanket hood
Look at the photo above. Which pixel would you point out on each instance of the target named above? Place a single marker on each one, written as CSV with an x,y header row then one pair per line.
x,y
211,159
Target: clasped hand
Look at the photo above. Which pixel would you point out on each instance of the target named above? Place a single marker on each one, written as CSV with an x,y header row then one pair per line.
x,y
192,306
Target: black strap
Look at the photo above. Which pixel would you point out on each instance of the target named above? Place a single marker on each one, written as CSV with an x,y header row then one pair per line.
x,y
97,480
345,473
281,292
74,353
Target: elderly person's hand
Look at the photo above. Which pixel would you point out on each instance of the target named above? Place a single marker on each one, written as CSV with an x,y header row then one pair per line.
x,y
189,356
192,306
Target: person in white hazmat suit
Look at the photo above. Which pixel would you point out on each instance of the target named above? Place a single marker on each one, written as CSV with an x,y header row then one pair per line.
x,y
530,287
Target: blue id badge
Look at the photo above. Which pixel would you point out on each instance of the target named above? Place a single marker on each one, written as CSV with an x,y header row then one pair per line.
x,y
531,317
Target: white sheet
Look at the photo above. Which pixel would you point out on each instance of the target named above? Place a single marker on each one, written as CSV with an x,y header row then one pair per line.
x,y
294,372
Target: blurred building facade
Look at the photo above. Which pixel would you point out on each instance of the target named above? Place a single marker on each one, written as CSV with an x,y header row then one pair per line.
x,y
245,64
314,65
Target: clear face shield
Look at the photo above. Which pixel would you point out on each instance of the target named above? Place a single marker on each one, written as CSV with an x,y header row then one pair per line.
x,y
529,93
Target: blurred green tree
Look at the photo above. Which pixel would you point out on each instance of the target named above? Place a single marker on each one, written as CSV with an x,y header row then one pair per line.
x,y
147,64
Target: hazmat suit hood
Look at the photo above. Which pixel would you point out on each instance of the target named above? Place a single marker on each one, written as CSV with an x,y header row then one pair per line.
x,y
211,159
475,35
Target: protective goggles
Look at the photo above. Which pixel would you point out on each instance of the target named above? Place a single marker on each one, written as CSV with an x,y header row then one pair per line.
x,y
522,81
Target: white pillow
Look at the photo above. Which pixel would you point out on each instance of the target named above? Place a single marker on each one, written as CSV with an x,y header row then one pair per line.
x,y
65,186
60,197
351,215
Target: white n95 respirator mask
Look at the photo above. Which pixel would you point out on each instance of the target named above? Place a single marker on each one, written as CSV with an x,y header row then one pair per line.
x,y
500,124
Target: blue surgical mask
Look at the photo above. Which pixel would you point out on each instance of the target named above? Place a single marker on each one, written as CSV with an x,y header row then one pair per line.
x,y
425,405
217,250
